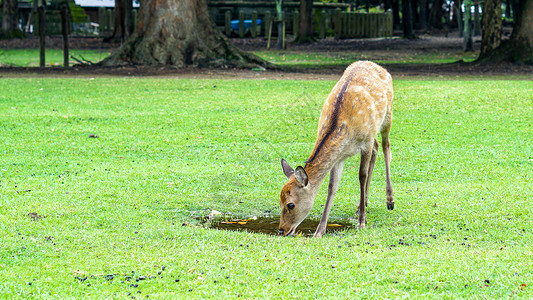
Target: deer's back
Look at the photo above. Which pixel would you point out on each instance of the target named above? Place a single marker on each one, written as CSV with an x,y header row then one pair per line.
x,y
358,107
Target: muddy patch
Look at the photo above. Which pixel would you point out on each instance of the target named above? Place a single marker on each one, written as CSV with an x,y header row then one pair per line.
x,y
269,225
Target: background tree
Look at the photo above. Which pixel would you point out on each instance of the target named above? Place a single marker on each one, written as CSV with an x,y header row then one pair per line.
x,y
306,22
468,44
519,48
423,14
123,21
407,19
10,20
435,14
492,26
179,33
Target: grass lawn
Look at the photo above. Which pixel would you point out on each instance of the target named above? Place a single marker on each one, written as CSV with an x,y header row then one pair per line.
x,y
53,57
101,180
320,59
286,58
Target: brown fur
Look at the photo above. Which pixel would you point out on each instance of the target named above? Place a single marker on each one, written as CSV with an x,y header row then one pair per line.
x,y
357,109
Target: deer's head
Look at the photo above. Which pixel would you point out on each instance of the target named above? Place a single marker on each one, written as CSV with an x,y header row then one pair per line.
x,y
296,199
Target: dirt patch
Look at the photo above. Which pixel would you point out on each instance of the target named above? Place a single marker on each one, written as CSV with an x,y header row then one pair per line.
x,y
35,216
269,225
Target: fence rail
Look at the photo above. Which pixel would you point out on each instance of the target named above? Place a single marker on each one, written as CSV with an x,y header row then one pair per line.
x,y
327,23
361,25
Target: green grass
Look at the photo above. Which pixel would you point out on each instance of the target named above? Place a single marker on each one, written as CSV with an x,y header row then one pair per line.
x,y
53,57
169,150
321,59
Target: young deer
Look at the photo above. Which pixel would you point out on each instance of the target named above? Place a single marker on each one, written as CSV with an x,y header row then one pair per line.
x,y
358,107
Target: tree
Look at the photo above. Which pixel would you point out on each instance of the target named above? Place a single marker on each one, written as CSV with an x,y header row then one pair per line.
x,y
123,21
435,14
306,22
179,33
407,19
519,48
467,36
10,20
423,14
492,26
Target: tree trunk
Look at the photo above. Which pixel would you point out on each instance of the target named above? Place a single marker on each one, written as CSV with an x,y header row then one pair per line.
x,y
423,14
468,44
407,19
396,13
179,33
10,20
492,27
415,16
519,48
435,14
123,21
306,22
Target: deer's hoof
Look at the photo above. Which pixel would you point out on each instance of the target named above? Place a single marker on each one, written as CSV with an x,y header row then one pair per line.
x,y
390,205
318,234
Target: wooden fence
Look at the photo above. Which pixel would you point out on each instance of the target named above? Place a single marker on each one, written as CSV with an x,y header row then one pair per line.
x,y
327,23
361,25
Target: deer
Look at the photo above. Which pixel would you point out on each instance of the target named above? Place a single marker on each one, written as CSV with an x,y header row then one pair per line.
x,y
357,108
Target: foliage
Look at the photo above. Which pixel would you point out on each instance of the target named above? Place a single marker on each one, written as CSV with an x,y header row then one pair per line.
x,y
77,13
101,178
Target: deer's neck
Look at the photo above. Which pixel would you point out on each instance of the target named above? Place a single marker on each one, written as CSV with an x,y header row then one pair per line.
x,y
317,172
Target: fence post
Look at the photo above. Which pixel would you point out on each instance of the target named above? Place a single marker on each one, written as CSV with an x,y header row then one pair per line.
x,y
323,16
227,22
101,21
296,23
254,24
268,19
390,24
65,30
110,25
241,24
344,21
337,23
41,36
366,26
353,25
372,25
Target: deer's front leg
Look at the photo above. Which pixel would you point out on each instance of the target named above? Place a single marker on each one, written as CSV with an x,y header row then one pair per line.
x,y
334,179
363,177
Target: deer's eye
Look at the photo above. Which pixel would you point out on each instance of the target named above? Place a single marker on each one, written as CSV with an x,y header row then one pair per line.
x,y
290,206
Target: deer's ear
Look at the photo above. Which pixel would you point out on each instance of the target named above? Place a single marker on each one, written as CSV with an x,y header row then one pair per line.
x,y
301,177
287,170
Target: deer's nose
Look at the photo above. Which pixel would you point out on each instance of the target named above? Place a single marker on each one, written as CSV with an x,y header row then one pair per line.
x,y
281,231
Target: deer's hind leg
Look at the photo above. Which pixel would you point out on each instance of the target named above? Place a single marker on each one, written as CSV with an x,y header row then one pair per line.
x,y
371,165
366,156
385,144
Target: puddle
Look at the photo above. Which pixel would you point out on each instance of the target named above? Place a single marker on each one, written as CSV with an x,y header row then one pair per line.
x,y
270,225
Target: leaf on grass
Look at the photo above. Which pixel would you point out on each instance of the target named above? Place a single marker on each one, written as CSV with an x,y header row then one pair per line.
x,y
523,286
334,225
